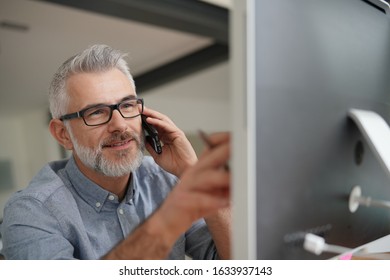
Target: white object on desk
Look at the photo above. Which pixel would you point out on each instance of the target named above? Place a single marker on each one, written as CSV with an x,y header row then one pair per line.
x,y
377,249
316,244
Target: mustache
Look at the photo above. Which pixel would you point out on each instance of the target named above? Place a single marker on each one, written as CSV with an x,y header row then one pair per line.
x,y
121,136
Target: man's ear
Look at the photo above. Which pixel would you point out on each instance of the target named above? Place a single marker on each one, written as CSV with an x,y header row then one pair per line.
x,y
60,133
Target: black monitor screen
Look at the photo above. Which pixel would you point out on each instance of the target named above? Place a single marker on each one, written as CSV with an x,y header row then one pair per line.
x,y
315,60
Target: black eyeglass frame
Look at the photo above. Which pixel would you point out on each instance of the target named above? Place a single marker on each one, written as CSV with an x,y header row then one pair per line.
x,y
80,114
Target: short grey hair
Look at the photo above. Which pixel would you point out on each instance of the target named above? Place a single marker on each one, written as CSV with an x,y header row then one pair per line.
x,y
96,58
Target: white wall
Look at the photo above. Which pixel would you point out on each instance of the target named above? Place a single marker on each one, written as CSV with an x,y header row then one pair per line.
x,y
26,142
199,101
12,149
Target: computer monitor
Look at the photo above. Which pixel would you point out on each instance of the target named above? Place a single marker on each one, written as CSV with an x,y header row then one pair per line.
x,y
311,61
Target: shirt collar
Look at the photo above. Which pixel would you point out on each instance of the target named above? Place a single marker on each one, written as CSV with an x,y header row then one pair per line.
x,y
92,193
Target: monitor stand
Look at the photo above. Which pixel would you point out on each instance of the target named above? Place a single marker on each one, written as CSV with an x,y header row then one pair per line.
x,y
376,132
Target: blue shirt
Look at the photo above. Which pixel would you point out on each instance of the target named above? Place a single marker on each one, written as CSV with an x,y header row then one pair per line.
x,y
64,215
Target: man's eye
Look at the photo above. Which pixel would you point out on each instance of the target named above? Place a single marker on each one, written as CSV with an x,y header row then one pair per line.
x,y
96,112
128,104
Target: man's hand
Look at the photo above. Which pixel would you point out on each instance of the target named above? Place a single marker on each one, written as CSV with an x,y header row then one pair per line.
x,y
177,152
204,189
203,192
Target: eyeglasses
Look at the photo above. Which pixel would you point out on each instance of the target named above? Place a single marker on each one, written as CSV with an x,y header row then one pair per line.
x,y
101,114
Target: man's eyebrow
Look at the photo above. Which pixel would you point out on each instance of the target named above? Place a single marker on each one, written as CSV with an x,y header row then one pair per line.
x,y
129,97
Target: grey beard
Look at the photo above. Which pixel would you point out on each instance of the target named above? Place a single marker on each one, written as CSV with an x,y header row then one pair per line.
x,y
94,159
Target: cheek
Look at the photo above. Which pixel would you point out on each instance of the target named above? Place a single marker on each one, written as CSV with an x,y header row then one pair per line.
x,y
89,138
90,141
136,127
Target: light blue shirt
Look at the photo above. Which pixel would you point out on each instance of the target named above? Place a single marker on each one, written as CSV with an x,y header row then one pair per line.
x,y
64,215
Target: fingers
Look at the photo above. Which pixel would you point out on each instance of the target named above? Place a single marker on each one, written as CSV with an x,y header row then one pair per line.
x,y
218,138
209,181
208,203
204,188
218,155
152,113
207,174
204,193
163,124
156,117
181,209
200,195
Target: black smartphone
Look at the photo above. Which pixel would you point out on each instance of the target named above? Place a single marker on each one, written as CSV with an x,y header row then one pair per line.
x,y
151,135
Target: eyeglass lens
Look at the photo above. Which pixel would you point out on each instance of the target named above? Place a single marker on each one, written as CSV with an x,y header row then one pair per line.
x,y
102,114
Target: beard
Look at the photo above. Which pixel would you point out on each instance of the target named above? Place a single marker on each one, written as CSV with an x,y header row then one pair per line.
x,y
124,163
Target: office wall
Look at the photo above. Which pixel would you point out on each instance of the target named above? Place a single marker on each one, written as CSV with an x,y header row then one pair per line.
x,y
199,101
13,151
26,144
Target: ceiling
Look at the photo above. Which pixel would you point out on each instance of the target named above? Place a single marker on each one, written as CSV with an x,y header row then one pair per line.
x,y
163,38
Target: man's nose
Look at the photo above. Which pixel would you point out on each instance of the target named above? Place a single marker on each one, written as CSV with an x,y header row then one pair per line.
x,y
117,122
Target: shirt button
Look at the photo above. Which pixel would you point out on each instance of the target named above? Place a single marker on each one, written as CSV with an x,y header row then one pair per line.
x,y
98,204
111,197
121,211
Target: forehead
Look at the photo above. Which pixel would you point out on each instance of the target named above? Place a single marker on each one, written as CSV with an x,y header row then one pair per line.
x,y
107,87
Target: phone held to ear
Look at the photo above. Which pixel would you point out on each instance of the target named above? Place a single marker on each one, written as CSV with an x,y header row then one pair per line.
x,y
151,135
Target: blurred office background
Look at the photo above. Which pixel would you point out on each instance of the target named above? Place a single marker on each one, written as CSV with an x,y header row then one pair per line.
x,y
178,54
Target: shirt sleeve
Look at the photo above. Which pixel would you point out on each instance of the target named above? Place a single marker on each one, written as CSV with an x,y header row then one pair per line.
x,y
30,231
199,243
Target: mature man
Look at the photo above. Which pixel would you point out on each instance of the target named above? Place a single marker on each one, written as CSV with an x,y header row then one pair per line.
x,y
109,201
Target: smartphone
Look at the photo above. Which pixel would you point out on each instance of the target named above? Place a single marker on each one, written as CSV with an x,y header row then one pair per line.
x,y
151,135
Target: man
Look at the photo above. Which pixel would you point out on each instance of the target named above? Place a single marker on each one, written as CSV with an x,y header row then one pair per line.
x,y
108,201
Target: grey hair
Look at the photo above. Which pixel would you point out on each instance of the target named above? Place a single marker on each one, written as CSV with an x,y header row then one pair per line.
x,y
97,58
